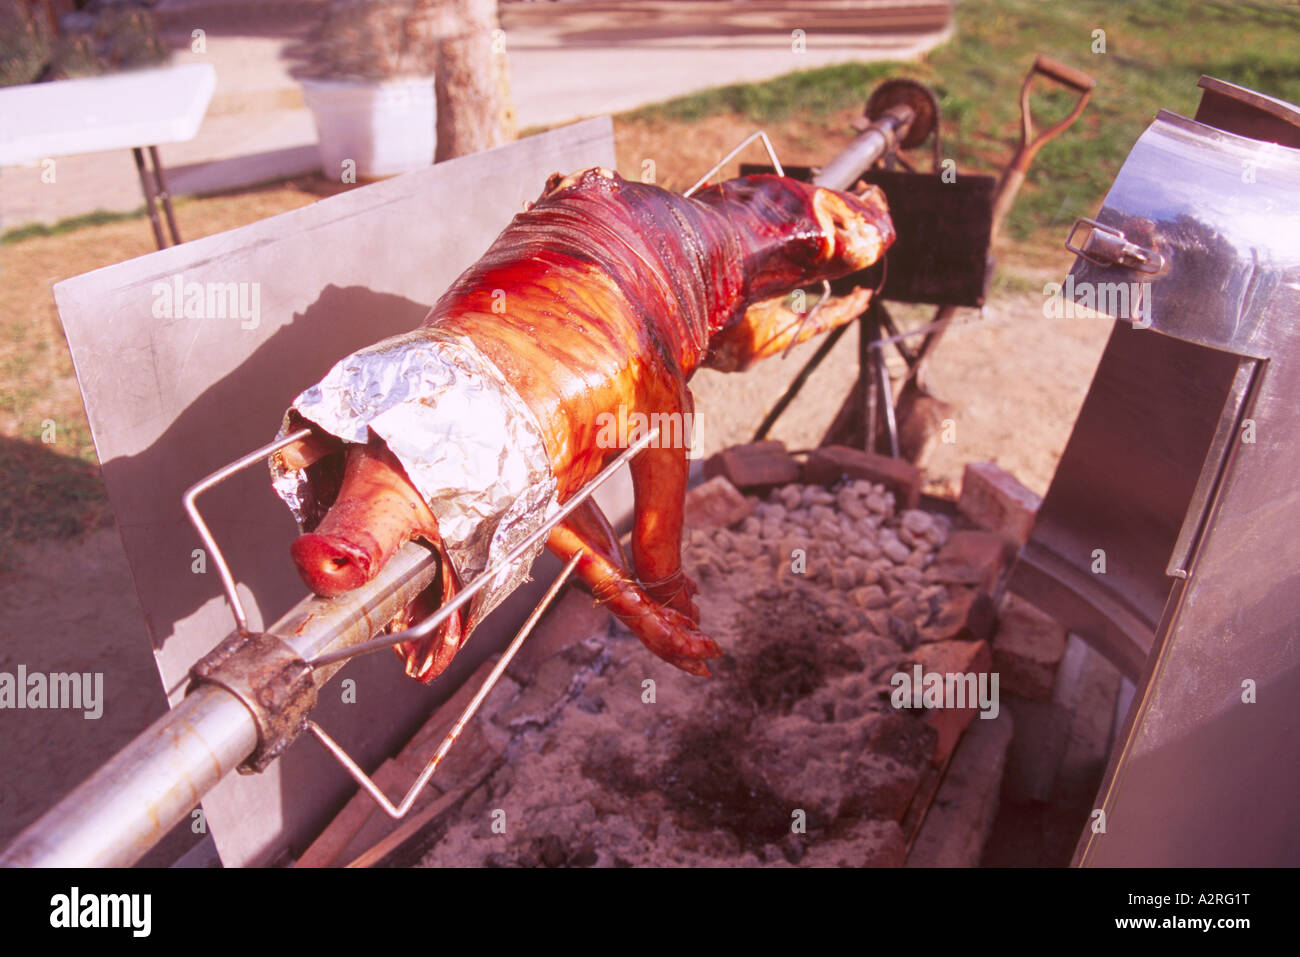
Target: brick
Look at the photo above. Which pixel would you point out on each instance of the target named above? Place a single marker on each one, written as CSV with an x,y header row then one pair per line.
x,y
477,753
361,823
968,615
953,657
829,464
960,819
716,504
903,737
338,834
970,558
474,752
758,465
1027,649
438,723
994,499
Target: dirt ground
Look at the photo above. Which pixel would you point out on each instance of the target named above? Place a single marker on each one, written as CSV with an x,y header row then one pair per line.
x,y
1016,378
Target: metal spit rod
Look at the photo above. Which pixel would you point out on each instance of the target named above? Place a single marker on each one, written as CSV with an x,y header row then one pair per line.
x,y
882,137
879,139
115,816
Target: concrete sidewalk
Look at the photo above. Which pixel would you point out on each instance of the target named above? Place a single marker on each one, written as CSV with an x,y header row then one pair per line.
x,y
567,61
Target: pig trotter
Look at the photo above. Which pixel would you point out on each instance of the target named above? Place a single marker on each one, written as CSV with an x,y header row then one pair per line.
x,y
676,591
665,631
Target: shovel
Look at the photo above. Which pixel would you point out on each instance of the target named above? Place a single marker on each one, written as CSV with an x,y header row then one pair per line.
x,y
917,422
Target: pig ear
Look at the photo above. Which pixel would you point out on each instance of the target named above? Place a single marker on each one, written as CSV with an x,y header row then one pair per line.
x,y
305,452
320,459
871,194
850,232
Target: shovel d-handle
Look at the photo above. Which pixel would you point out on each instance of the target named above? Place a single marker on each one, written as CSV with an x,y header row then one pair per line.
x,y
1014,174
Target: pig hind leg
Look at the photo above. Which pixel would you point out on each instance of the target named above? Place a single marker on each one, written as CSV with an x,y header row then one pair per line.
x,y
659,477
665,631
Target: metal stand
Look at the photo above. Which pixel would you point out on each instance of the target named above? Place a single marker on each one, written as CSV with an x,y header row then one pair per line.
x,y
873,378
973,212
153,182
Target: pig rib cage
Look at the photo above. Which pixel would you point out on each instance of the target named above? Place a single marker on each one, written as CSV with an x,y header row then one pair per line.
x,y
251,696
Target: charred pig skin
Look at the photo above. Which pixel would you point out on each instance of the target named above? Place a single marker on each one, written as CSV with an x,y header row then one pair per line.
x,y
601,300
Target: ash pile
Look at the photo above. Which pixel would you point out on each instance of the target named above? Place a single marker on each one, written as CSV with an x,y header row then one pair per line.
x,y
822,586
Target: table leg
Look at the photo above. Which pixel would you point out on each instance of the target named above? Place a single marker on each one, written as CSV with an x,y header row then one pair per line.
x,y
164,194
887,402
148,189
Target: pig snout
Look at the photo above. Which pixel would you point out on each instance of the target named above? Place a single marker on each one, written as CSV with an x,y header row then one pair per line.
x,y
377,511
330,565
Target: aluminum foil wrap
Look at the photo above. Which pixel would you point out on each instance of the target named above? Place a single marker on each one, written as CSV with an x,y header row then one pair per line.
x,y
469,444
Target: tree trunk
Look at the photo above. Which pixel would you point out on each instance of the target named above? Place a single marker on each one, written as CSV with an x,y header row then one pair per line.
x,y
473,83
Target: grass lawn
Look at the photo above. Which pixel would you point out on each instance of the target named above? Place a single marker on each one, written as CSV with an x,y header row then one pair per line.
x,y
1154,52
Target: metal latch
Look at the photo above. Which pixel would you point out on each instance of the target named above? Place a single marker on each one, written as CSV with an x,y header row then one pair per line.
x,y
1107,246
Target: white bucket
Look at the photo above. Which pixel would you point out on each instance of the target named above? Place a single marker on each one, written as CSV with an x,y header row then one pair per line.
x,y
384,127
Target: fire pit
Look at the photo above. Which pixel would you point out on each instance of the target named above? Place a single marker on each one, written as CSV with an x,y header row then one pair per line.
x,y
808,746
792,755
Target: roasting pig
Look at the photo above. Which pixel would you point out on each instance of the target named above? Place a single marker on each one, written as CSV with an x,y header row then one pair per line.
x,y
598,301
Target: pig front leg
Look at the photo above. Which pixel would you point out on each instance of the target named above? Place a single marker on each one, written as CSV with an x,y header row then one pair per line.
x,y
659,477
666,632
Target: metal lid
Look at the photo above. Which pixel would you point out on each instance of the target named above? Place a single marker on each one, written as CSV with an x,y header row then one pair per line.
x,y
1235,109
1197,239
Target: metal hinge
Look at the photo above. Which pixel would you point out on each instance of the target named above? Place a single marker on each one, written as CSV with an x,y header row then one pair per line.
x,y
1108,246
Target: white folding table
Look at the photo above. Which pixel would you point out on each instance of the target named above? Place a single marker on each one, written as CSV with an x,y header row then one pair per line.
x,y
137,110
